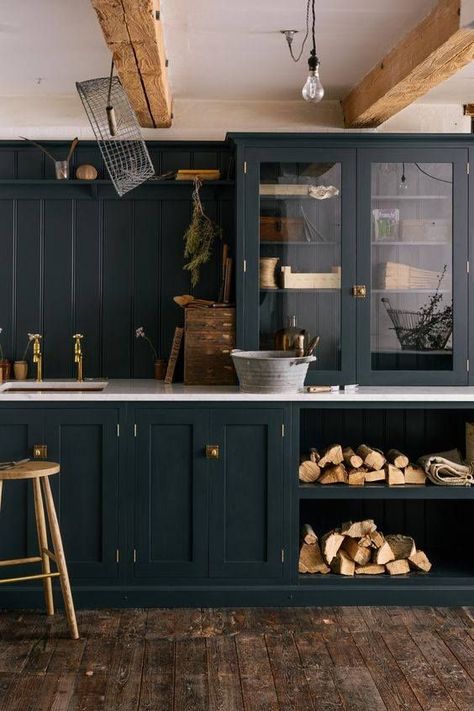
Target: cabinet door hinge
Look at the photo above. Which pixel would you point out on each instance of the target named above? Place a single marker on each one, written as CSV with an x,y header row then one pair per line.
x,y
282,555
245,166
467,168
134,555
244,265
467,365
118,430
467,266
283,430
117,555
134,430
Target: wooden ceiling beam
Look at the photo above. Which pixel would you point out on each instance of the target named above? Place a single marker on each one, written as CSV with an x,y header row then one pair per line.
x,y
433,51
134,34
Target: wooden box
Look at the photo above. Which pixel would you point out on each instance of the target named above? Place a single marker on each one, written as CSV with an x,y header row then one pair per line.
x,y
209,337
305,280
281,229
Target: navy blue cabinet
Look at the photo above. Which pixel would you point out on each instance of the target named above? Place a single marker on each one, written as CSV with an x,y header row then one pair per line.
x,y
171,484
201,517
85,442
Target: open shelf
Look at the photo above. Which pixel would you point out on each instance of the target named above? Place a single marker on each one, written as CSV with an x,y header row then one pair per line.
x,y
268,243
382,243
381,491
299,291
411,197
410,291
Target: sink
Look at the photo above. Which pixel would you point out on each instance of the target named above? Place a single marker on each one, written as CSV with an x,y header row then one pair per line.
x,y
60,386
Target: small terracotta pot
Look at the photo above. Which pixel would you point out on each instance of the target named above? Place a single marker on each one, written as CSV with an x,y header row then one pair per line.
x,y
160,369
6,369
20,369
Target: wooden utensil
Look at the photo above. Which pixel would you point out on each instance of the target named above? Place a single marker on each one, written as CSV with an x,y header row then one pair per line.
x,y
311,346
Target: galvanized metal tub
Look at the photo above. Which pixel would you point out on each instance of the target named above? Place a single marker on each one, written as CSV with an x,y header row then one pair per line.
x,y
270,371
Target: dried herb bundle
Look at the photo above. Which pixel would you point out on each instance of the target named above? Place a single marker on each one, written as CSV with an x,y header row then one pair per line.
x,y
199,237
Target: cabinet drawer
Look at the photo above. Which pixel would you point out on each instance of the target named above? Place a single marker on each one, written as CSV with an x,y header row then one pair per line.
x,y
209,338
204,323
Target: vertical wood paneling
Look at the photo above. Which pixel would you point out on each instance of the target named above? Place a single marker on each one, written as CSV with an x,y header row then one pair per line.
x,y
7,275
146,302
29,305
57,309
98,266
117,288
88,295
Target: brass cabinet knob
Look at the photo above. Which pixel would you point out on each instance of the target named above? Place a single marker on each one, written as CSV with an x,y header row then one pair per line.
x,y
359,291
212,451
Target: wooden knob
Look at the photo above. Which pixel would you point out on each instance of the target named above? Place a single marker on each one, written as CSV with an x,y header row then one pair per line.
x,y
212,451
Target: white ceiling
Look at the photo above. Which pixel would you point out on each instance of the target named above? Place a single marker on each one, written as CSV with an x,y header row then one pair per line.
x,y
217,49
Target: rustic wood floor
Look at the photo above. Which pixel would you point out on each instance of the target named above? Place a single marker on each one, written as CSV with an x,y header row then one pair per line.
x,y
360,659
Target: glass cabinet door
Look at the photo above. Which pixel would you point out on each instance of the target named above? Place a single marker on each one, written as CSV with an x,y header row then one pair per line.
x,y
412,265
302,258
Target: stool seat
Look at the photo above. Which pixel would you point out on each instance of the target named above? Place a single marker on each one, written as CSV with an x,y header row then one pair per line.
x,y
30,470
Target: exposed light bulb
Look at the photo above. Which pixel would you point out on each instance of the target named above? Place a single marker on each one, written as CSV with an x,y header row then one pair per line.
x,y
313,90
403,187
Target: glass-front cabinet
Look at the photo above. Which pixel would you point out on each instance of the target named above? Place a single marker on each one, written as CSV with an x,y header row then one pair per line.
x,y
365,248
300,223
412,257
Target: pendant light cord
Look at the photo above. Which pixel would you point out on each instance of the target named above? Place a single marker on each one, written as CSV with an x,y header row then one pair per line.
x,y
300,54
313,28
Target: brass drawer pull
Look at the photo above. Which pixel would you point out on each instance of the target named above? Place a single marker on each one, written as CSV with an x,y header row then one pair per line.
x,y
212,451
359,291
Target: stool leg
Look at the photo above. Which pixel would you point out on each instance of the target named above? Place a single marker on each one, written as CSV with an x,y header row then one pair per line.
x,y
1,492
60,559
43,543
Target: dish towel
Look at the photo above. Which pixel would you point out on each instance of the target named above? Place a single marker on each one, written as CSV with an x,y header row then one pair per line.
x,y
447,468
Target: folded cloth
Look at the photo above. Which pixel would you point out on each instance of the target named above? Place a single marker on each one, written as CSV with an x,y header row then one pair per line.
x,y
10,465
447,468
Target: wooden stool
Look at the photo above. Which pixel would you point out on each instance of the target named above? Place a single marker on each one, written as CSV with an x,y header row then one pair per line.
x,y
40,472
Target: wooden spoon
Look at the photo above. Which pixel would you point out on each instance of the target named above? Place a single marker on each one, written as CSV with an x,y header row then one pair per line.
x,y
311,346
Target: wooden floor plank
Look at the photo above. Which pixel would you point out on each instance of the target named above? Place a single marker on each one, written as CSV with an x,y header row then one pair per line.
x,y
439,617
323,689
67,656
191,687
313,650
358,689
455,680
288,676
157,689
62,691
256,676
173,623
342,648
350,619
424,682
124,676
461,645
391,683
225,691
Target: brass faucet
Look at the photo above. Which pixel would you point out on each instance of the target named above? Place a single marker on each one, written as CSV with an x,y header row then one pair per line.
x,y
78,356
38,357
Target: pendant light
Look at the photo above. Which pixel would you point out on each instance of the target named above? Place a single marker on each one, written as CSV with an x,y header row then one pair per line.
x,y
313,90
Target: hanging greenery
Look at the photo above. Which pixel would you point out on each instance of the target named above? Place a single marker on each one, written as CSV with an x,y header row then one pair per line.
x,y
199,237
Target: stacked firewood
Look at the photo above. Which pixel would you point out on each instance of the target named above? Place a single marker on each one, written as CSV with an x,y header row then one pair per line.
x,y
343,465
359,549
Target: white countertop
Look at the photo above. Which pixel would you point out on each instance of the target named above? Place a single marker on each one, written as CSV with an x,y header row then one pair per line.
x,y
157,391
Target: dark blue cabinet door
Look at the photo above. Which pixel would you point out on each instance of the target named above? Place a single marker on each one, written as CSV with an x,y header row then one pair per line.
x,y
246,482
171,537
85,442
19,431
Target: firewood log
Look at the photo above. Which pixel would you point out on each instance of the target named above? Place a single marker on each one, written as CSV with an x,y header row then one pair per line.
x,y
419,561
334,475
375,475
343,564
402,546
356,477
394,475
351,459
311,559
384,554
332,455
307,534
377,539
365,541
398,567
330,544
372,458
415,474
309,471
398,459
314,455
358,529
359,554
369,569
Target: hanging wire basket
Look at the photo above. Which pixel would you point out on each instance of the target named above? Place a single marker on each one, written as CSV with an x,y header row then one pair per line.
x,y
415,333
120,141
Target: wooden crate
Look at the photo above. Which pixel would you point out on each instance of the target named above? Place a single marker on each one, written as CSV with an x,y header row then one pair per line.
x,y
305,280
281,229
209,337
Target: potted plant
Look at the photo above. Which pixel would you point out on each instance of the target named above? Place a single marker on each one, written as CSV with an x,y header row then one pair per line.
x,y
5,365
158,363
20,367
